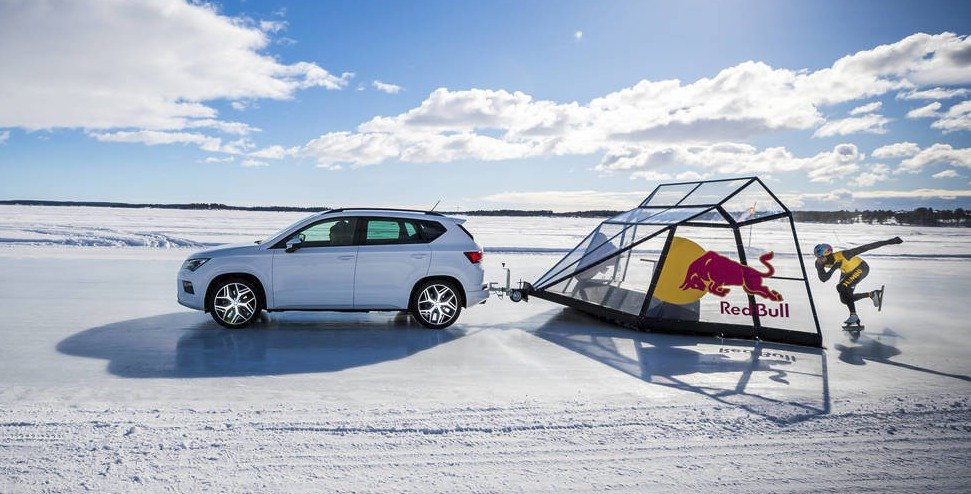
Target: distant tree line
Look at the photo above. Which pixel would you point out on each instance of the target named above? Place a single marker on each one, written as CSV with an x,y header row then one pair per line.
x,y
919,216
190,206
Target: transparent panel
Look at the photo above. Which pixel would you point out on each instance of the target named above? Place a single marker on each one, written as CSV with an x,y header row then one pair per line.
x,y
668,195
712,216
751,203
619,282
704,280
792,312
636,215
670,216
606,240
713,192
701,278
772,238
567,260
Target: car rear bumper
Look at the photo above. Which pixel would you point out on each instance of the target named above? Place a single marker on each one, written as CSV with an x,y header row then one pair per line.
x,y
473,297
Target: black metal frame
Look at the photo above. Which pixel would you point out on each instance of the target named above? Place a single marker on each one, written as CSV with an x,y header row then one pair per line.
x,y
754,331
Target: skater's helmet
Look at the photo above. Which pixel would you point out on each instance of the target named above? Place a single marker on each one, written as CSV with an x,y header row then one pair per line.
x,y
822,250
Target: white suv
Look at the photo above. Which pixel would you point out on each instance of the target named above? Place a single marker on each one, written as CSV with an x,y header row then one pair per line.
x,y
342,260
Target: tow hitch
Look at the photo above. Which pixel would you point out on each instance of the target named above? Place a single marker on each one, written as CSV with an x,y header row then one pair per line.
x,y
514,294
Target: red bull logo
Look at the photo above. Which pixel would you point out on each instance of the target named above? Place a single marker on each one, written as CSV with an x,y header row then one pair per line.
x,y
713,273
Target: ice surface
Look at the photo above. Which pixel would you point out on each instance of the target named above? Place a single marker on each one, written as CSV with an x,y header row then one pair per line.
x,y
107,384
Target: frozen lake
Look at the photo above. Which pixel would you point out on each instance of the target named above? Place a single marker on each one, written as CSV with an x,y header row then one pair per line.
x,y
106,383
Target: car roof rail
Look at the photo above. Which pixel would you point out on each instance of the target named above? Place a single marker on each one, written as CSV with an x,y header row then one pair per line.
x,y
397,210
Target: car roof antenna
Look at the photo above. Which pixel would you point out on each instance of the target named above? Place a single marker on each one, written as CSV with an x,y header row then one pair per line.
x,y
436,205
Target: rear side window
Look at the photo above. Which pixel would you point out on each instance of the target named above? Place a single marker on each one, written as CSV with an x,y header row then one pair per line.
x,y
430,230
388,231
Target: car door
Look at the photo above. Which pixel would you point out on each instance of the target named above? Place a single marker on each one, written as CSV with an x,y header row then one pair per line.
x,y
392,257
320,273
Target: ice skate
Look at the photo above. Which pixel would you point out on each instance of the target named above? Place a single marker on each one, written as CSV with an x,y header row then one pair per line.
x,y
853,323
877,297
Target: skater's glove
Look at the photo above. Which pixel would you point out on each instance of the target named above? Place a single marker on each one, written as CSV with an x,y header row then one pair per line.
x,y
896,241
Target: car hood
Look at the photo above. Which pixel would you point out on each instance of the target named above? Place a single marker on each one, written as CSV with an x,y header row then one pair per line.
x,y
228,250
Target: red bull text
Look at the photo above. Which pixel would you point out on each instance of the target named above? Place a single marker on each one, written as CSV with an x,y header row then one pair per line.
x,y
712,272
782,310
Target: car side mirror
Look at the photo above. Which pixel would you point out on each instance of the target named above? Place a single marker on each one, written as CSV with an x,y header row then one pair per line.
x,y
293,244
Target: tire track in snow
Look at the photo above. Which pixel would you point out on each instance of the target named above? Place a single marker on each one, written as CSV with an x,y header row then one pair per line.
x,y
579,447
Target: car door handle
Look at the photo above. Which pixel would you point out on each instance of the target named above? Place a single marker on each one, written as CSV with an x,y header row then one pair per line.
x,y
419,256
346,258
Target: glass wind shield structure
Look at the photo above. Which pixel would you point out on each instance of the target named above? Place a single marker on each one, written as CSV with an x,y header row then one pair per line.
x,y
716,257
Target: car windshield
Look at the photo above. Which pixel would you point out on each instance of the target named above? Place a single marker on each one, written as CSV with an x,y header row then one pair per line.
x,y
288,228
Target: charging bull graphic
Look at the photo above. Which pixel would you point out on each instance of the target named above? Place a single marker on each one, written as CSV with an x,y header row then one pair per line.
x,y
712,272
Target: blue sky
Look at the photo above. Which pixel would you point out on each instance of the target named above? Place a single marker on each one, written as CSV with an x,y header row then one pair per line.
x,y
537,105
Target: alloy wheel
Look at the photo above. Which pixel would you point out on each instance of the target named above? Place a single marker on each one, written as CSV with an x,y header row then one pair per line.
x,y
235,303
438,304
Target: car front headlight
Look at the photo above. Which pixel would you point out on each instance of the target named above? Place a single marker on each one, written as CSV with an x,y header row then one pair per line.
x,y
194,264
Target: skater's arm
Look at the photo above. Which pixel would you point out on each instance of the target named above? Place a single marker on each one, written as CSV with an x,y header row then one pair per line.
x,y
851,253
824,275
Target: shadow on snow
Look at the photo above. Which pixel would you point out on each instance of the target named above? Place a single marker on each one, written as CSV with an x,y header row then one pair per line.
x,y
672,360
185,344
871,347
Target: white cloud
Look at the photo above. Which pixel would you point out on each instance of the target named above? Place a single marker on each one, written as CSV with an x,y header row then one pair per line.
x,y
912,194
145,65
843,197
237,128
691,175
272,26
937,154
213,159
934,93
871,123
567,200
733,158
958,117
275,152
867,108
155,137
877,172
651,175
4,135
385,87
896,150
578,35
739,102
926,111
947,174
253,163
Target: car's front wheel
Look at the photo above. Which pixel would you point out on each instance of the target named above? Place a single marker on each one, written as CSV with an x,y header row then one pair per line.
x,y
436,304
234,303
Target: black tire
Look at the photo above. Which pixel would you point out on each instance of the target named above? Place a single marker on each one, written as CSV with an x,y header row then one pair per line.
x,y
436,304
235,303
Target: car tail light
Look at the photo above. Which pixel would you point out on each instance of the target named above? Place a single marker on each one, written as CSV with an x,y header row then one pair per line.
x,y
475,256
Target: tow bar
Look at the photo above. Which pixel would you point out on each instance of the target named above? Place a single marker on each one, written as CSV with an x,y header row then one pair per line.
x,y
515,294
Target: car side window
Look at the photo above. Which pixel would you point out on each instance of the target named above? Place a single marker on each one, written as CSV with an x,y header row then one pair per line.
x,y
430,230
331,233
389,231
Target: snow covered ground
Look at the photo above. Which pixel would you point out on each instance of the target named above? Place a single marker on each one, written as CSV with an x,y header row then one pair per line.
x,y
107,384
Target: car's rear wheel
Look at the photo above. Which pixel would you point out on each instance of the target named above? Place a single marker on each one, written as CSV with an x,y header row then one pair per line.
x,y
436,304
234,303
